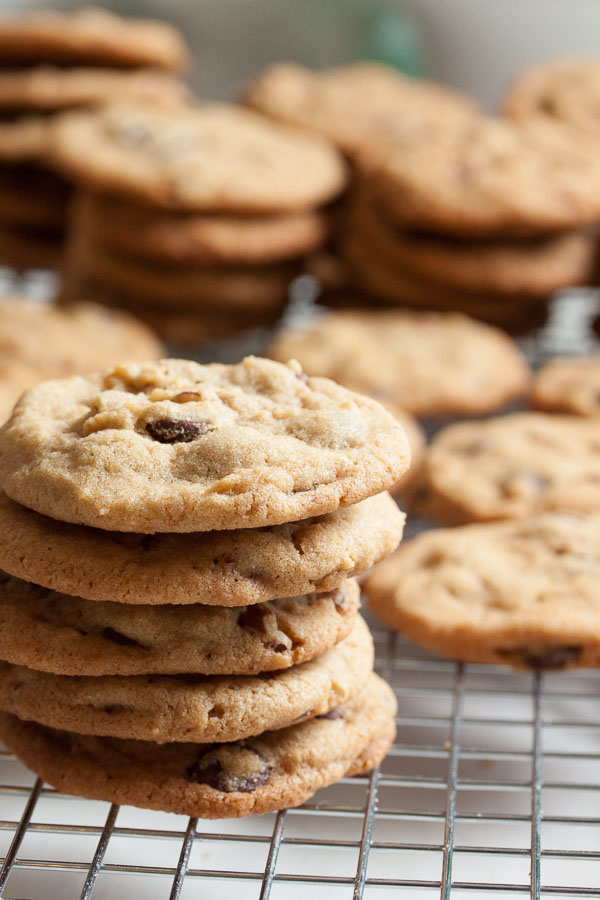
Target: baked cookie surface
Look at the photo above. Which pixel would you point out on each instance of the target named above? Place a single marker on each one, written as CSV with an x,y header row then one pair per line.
x,y
426,363
228,568
525,594
509,467
71,636
212,157
273,771
165,708
176,446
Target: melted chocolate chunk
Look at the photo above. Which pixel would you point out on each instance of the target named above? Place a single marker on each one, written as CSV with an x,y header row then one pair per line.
x,y
116,637
209,770
253,617
176,431
553,658
337,713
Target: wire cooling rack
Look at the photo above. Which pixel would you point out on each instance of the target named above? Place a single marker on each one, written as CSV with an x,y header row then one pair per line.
x,y
492,789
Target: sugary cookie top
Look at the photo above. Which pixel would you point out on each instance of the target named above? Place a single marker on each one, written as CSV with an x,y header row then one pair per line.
x,y
211,157
427,363
91,36
178,446
488,175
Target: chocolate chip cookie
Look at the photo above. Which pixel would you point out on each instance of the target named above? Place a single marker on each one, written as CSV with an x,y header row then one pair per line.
x,y
427,363
190,707
210,158
176,446
276,770
569,386
220,568
525,594
509,468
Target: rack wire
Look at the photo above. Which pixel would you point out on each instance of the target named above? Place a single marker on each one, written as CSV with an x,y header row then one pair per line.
x,y
492,789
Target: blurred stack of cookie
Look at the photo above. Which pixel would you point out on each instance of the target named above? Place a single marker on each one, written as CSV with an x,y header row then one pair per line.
x,y
165,663
52,61
195,218
485,216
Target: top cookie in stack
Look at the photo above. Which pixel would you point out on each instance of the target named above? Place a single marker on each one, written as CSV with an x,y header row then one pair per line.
x,y
482,215
215,207
49,62
254,493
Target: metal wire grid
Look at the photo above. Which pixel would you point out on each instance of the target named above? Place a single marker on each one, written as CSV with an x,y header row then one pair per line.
x,y
491,790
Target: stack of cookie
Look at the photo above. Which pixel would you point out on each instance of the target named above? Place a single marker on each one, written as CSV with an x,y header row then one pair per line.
x,y
481,215
168,664
50,61
195,218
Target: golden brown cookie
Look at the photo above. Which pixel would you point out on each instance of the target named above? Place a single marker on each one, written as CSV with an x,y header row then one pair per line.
x,y
222,568
215,157
509,467
164,708
177,446
431,364
570,385
276,770
525,594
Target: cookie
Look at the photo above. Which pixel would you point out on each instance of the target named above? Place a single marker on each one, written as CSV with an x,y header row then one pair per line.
x,y
213,157
192,707
49,88
230,568
352,104
89,36
525,594
276,770
177,446
509,468
528,267
70,636
487,177
153,234
185,287
427,363
564,90
56,342
569,386
374,272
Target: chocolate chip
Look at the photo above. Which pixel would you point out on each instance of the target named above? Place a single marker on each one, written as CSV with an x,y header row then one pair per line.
x,y
208,769
176,431
337,713
340,602
278,648
116,637
253,617
553,658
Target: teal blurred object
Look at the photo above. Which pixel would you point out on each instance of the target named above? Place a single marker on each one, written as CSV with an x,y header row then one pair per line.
x,y
391,36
